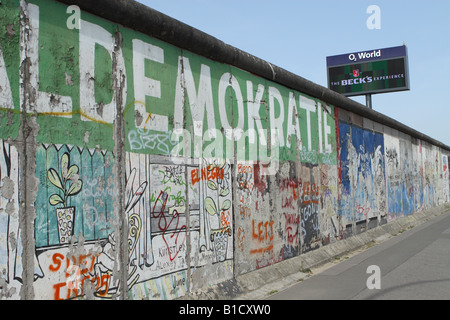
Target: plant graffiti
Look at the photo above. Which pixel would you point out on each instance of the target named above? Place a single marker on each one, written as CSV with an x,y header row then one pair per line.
x,y
69,184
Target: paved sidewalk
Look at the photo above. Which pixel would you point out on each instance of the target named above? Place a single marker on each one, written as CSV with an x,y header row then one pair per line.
x,y
271,281
412,265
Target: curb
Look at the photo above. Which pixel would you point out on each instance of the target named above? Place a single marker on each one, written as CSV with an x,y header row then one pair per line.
x,y
259,284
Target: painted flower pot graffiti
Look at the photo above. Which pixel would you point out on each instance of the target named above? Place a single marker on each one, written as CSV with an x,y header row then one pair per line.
x,y
220,240
69,184
65,217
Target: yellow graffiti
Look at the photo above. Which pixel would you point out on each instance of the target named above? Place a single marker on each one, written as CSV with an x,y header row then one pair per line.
x,y
148,118
132,103
65,114
76,112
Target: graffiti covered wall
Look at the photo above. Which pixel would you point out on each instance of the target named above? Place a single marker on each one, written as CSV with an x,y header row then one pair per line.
x,y
131,168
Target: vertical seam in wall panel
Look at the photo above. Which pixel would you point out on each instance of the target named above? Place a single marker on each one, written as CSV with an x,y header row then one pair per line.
x,y
121,221
27,159
338,158
188,215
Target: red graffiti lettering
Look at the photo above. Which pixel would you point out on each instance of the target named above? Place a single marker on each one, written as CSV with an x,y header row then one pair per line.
x,y
225,219
241,239
208,173
292,185
310,193
175,246
291,227
57,258
361,210
264,235
78,270
244,169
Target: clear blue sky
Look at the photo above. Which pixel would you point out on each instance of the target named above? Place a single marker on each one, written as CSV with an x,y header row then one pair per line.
x,y
297,35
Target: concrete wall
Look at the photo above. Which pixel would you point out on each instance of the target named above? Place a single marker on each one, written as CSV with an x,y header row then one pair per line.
x,y
141,158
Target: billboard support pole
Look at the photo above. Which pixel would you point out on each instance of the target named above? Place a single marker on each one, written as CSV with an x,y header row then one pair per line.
x,y
369,101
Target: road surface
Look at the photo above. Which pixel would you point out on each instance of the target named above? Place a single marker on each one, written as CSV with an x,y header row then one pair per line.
x,y
412,265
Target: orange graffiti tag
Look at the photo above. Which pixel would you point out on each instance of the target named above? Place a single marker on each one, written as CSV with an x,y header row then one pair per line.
x,y
225,218
209,173
77,271
264,233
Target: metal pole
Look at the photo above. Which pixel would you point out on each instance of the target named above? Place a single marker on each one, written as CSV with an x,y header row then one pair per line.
x,y
369,101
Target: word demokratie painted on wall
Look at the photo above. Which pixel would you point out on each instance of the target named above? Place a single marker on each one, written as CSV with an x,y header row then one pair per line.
x,y
98,113
75,74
